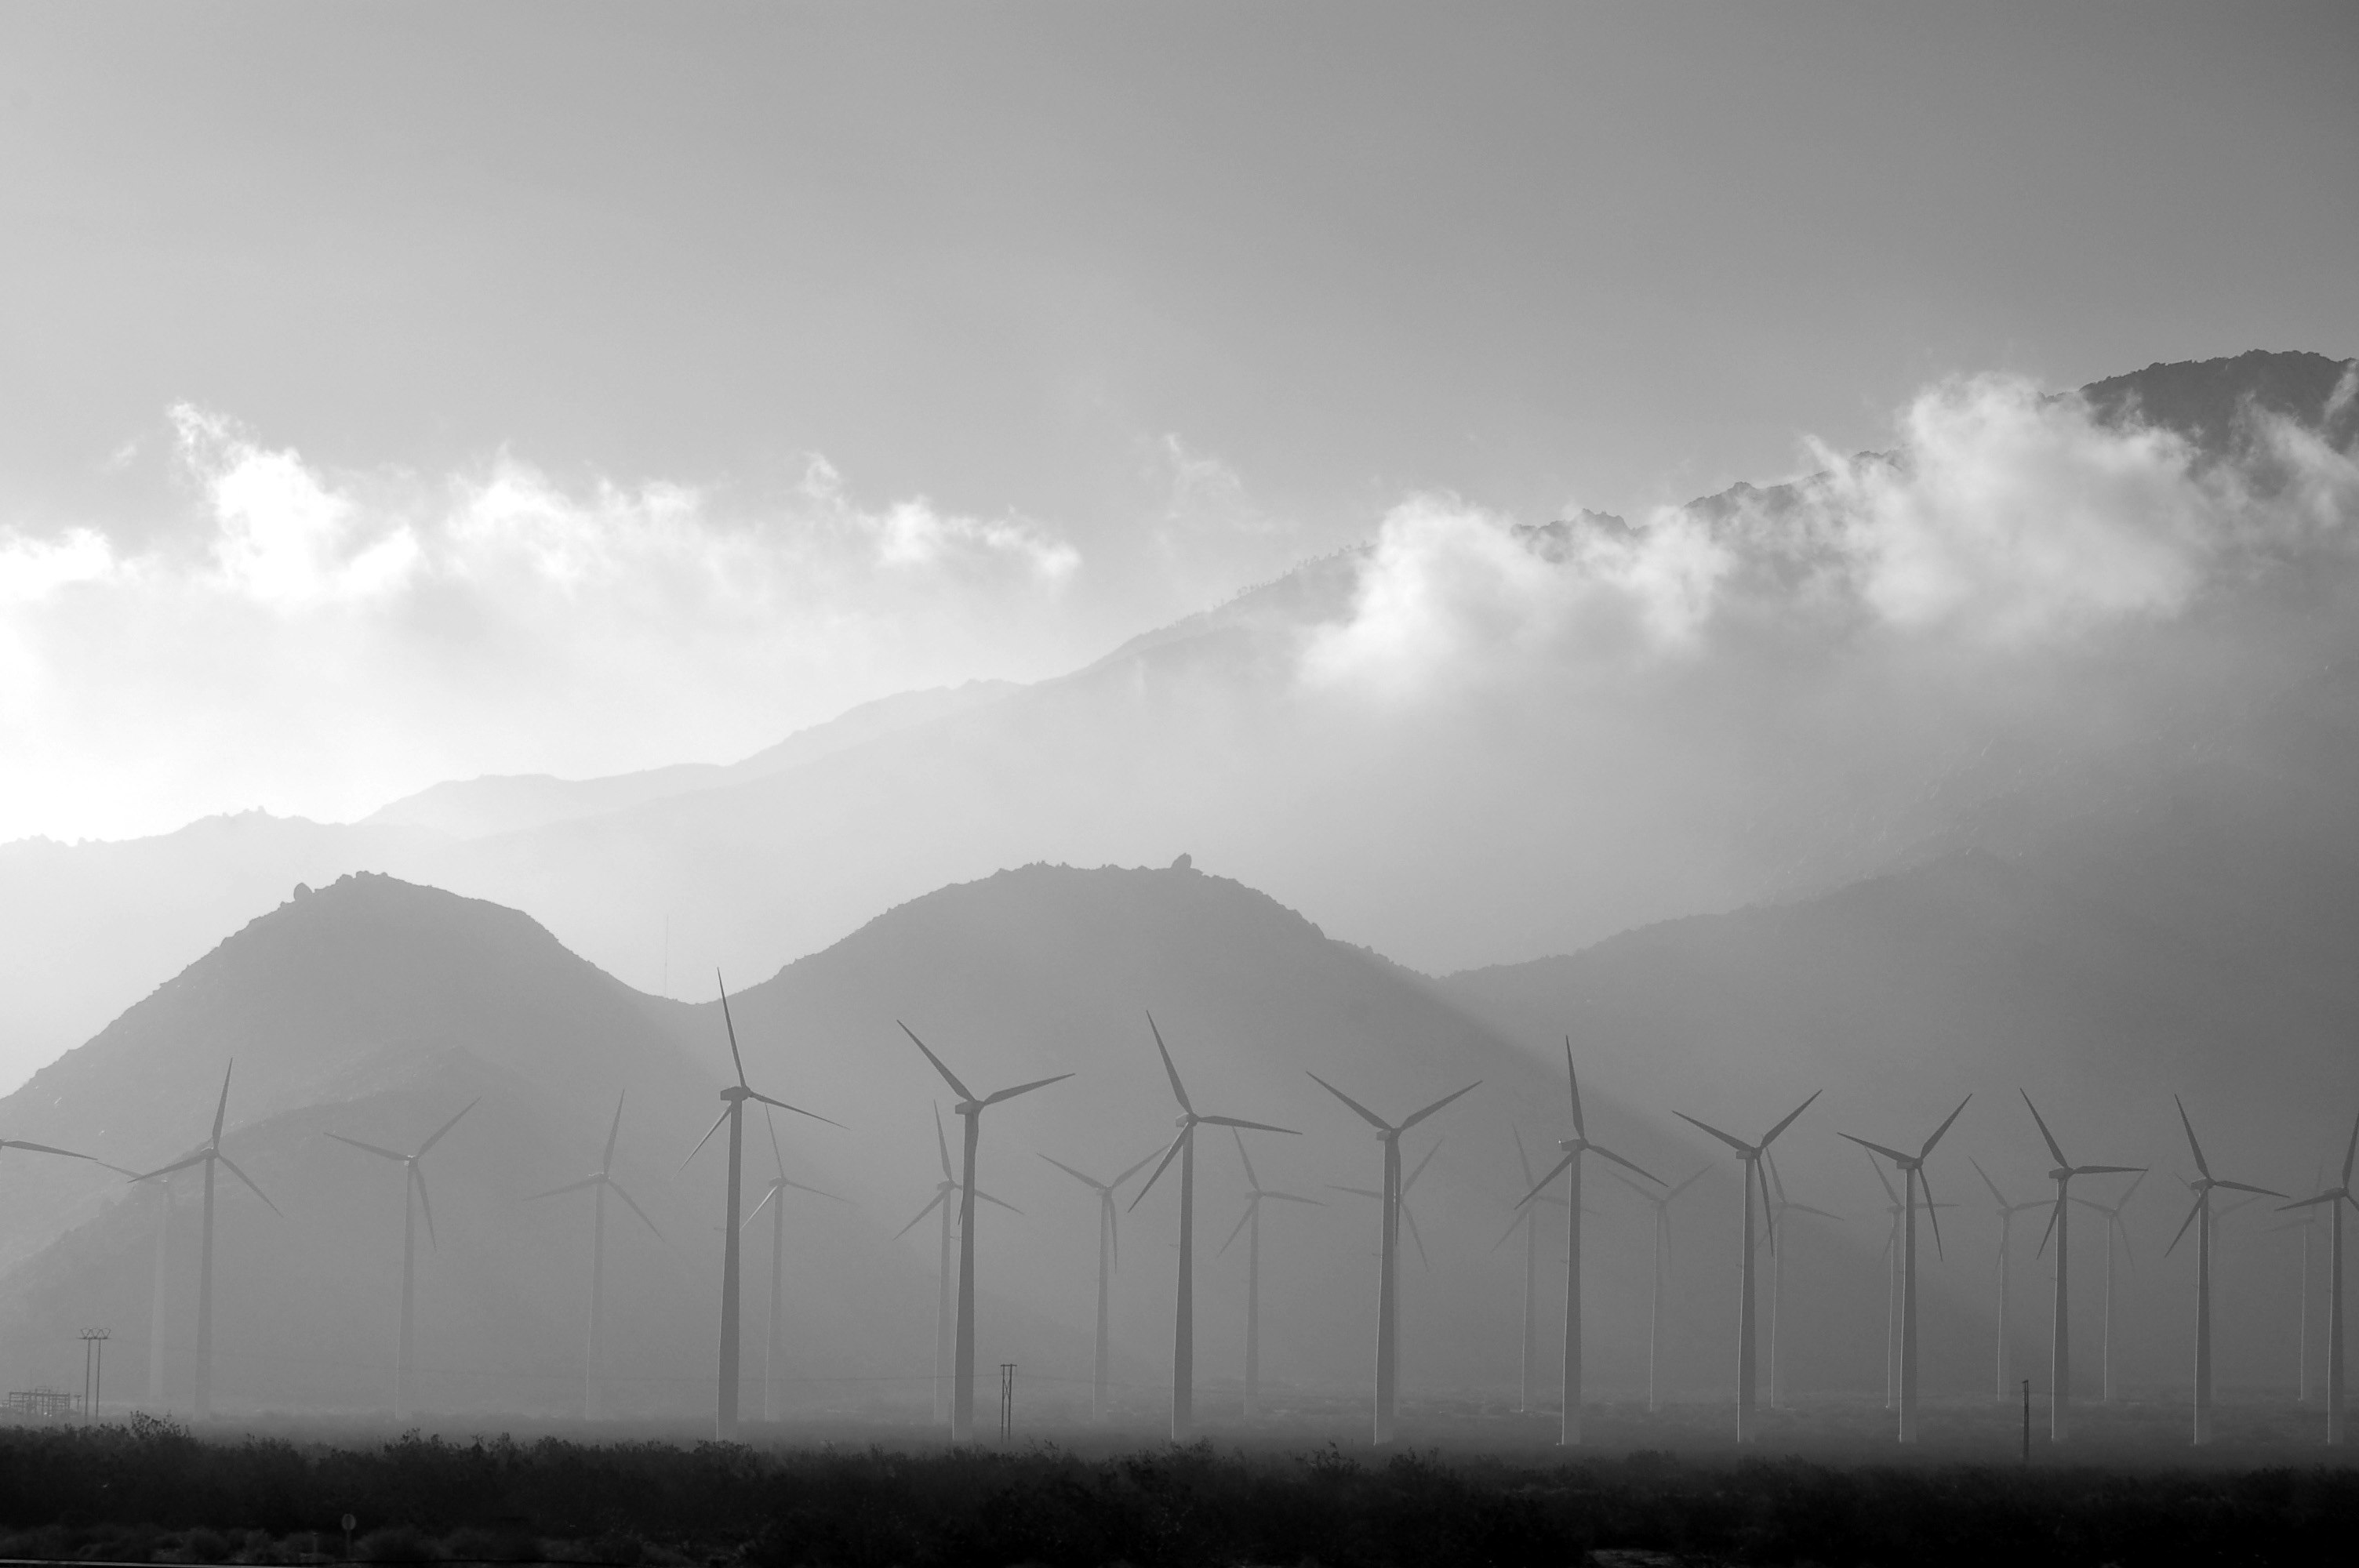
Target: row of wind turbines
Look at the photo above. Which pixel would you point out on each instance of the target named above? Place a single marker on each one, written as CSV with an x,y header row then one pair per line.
x,y
957,1196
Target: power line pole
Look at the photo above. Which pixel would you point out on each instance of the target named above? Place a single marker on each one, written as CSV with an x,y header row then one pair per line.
x,y
94,1366
1007,1399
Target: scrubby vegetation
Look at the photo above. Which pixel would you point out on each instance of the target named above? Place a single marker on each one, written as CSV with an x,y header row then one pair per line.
x,y
151,1492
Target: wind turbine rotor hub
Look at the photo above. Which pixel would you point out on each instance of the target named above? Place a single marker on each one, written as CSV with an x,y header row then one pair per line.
x,y
968,1107
1570,1145
1184,1121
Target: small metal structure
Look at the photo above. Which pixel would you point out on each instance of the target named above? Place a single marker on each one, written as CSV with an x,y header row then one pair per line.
x,y
93,1364
1007,1399
47,1403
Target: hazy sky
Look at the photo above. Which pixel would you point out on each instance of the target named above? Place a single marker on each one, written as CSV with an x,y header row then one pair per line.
x,y
395,392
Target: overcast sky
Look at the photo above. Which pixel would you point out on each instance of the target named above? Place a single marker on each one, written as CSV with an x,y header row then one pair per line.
x,y
399,392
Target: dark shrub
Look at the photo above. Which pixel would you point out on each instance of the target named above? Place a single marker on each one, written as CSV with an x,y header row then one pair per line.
x,y
398,1543
473,1545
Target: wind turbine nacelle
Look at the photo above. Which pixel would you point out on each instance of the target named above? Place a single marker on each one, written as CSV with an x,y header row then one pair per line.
x,y
1184,1121
968,1107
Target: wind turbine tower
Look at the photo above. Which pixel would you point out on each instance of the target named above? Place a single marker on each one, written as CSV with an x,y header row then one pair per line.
x,y
209,1156
2334,1197
2060,1216
969,1109
1781,1210
1387,1390
2115,1230
1574,1147
1912,1176
1184,1317
732,1111
2006,1213
1749,1156
1661,1203
1109,1255
600,1181
1251,1220
2200,1217
1528,1221
413,1198
946,1303
774,1198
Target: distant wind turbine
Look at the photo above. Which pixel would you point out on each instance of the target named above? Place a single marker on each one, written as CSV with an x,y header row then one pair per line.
x,y
1528,1221
1389,1226
413,1198
1183,1316
1892,1210
971,1109
209,1156
2306,1225
773,1352
1109,1254
2115,1230
1404,1213
1250,1220
1661,1203
1574,1147
2334,1197
1749,1156
2060,1216
1912,1176
2006,1213
732,1111
2200,1215
600,1182
1781,1209
946,1306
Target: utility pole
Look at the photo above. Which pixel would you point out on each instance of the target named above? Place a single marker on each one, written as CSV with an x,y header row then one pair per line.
x,y
1007,1399
94,1366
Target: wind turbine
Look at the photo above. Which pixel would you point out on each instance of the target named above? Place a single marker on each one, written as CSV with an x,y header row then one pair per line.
x,y
971,1108
1912,1176
1779,1209
2334,1197
413,1187
2200,1215
2306,1224
1251,1219
209,1156
732,1111
1388,1228
2114,1229
1183,1316
2060,1394
1749,1156
1892,1210
2006,1213
600,1182
1574,1147
1109,1253
1402,1214
1662,1207
1528,1221
780,1186
946,1306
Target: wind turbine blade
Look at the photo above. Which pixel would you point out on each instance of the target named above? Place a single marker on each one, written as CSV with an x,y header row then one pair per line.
x,y
1940,1129
1895,1155
943,1145
2349,1151
447,1125
738,1061
568,1187
1248,1126
982,1196
1132,1171
1169,1155
1359,1192
1093,1185
1997,1196
1573,1082
777,1155
798,1110
1702,1172
771,1193
418,1175
1025,1088
2053,1147
1772,1135
948,1076
2054,1210
2312,1203
46,1148
1776,1177
1409,1217
1421,1165
1287,1197
1609,1154
2106,1170
1411,1121
1933,1210
1738,1144
2259,1191
2193,1209
2127,1190
175,1165
1365,1114
385,1153
1554,1171
258,1192
2197,1148
1523,1161
1523,1217
815,1192
1239,1225
1886,1185
1806,1208
1650,1197
1113,1228
626,1197
1768,1220
222,1109
940,1199
1179,1091
1252,1181
606,1160
707,1138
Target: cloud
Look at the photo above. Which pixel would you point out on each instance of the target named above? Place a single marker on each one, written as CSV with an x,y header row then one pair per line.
x,y
310,638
